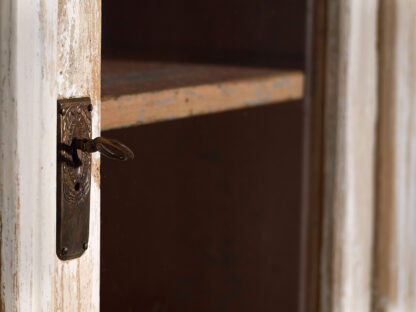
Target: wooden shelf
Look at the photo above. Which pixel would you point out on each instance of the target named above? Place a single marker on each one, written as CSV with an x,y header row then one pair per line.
x,y
136,92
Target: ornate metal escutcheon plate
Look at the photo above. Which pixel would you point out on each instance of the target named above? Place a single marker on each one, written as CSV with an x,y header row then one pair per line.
x,y
73,178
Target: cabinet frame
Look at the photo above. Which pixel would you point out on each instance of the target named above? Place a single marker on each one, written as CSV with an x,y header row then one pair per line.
x,y
359,154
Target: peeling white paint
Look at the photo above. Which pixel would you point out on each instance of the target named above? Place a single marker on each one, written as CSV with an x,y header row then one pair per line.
x,y
28,153
79,40
36,66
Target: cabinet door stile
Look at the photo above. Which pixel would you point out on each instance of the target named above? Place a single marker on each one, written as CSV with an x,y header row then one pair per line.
x,y
78,75
48,50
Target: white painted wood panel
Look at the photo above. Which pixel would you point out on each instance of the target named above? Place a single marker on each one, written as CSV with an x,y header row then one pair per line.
x,y
395,256
350,141
48,49
78,75
27,153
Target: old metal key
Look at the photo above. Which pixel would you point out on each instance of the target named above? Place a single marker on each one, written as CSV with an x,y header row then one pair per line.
x,y
74,168
110,148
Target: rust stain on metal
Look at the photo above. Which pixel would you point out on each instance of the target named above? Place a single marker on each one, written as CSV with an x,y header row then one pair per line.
x,y
74,179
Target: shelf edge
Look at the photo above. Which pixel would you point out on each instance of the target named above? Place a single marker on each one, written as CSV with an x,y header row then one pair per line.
x,y
143,108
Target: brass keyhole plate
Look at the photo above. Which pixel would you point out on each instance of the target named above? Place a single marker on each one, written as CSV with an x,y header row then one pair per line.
x,y
73,178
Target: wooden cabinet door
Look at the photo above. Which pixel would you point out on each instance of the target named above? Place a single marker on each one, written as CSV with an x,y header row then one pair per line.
x,y
50,49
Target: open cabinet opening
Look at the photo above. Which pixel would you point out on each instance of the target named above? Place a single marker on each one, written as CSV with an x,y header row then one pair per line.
x,y
258,33
208,215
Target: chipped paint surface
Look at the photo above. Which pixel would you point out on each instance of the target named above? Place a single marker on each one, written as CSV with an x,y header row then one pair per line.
x,y
78,75
36,66
27,153
182,102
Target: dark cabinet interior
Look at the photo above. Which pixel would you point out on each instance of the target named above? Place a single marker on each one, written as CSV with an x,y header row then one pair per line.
x,y
265,32
208,215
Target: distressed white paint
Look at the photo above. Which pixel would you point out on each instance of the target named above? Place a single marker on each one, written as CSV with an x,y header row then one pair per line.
x,y
78,69
27,153
350,127
38,64
395,257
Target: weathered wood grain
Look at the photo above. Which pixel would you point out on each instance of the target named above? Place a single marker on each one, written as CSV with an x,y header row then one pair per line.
x,y
76,285
395,252
48,50
28,34
145,92
312,177
349,155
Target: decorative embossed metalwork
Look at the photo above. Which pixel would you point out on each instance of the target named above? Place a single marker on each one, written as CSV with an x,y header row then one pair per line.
x,y
74,178
74,174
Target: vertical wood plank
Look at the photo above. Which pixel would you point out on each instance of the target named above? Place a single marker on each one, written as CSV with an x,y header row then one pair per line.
x,y
27,153
350,128
395,252
38,63
313,156
78,75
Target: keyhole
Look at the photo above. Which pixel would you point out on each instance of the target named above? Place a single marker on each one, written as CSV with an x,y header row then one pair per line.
x,y
77,186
